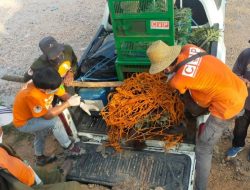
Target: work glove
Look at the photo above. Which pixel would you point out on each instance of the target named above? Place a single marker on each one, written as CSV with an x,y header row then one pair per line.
x,y
74,100
87,107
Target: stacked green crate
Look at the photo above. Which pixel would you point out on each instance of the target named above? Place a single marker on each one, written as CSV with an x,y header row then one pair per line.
x,y
136,24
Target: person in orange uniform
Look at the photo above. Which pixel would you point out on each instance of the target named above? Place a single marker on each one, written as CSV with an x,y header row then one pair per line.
x,y
16,174
10,163
16,167
33,112
211,84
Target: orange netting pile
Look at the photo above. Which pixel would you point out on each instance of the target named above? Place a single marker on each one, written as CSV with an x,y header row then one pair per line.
x,y
145,106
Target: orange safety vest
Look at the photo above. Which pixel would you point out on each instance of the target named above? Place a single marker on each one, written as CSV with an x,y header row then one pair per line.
x,y
16,167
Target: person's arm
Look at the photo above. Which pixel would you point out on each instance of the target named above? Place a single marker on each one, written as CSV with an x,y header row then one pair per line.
x,y
71,56
178,84
54,111
240,65
65,97
40,108
68,78
62,94
71,74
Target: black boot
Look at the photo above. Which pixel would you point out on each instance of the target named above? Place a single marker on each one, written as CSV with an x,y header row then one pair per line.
x,y
43,160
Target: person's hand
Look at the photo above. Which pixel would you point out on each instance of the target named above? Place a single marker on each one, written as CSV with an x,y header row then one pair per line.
x,y
248,83
74,100
87,107
68,78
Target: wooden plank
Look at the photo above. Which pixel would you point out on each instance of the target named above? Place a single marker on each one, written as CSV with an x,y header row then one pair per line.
x,y
16,78
95,84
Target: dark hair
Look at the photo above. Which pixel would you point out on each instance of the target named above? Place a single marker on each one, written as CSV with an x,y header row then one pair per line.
x,y
47,78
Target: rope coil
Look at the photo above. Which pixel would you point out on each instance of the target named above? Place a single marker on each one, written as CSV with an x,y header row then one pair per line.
x,y
143,107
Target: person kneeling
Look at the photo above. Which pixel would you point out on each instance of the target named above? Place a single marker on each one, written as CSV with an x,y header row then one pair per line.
x,y
33,113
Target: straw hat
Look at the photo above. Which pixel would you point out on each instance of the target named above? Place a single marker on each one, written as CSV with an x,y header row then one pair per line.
x,y
161,56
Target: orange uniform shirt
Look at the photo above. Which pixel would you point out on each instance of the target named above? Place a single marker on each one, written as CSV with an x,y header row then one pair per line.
x,y
211,83
30,102
16,168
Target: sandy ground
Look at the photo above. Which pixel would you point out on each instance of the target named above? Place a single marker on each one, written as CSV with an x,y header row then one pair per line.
x,y
24,22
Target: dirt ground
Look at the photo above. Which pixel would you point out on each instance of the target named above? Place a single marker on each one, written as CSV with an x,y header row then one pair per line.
x,y
24,22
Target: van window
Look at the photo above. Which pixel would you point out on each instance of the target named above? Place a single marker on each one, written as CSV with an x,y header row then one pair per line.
x,y
198,13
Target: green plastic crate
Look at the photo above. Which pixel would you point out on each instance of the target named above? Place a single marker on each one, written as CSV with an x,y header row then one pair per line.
x,y
128,67
134,48
137,23
123,9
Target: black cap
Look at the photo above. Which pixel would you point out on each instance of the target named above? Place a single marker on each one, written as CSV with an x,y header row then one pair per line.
x,y
50,47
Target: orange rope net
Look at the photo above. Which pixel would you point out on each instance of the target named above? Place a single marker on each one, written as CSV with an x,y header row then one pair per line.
x,y
145,106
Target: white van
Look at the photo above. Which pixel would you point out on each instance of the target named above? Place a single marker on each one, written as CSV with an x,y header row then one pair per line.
x,y
152,167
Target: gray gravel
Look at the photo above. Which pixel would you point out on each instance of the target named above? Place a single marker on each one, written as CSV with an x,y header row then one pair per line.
x,y
24,22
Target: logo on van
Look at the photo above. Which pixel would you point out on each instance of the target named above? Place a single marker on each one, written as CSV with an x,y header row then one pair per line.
x,y
161,25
